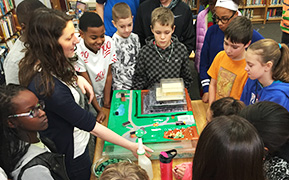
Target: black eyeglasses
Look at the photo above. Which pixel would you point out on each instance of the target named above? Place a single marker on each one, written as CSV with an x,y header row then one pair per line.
x,y
32,113
224,20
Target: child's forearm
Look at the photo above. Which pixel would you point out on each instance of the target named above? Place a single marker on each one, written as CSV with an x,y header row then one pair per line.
x,y
212,91
107,88
96,105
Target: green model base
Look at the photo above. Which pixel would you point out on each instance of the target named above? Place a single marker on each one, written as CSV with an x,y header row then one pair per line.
x,y
126,117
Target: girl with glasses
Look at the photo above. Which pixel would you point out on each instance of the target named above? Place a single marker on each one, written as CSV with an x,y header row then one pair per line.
x,y
225,12
22,116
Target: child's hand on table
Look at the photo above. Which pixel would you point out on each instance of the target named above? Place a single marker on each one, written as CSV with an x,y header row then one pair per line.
x,y
183,171
179,171
100,116
205,97
106,105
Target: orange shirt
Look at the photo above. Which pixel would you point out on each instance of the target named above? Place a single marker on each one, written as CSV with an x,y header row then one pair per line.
x,y
230,75
285,17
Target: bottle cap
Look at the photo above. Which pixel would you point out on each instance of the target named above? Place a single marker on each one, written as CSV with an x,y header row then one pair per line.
x,y
139,133
167,156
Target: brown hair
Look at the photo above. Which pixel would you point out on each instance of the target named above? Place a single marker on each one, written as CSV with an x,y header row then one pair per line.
x,y
124,171
226,106
162,15
277,53
121,11
240,30
229,148
44,54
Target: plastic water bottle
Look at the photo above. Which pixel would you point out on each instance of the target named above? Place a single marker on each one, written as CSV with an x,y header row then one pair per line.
x,y
143,161
166,164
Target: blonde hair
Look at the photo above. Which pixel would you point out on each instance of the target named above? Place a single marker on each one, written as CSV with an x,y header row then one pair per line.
x,y
121,11
124,171
277,53
162,15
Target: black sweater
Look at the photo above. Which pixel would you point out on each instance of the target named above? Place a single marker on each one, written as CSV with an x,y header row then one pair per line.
x,y
154,64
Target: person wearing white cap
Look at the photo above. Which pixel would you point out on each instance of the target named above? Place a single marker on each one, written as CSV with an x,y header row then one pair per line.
x,y
225,12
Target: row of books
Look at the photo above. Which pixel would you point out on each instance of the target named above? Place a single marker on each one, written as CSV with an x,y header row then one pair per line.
x,y
8,26
5,6
256,2
271,13
191,3
249,13
275,2
274,13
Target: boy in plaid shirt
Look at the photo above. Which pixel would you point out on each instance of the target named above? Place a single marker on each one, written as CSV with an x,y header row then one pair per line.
x,y
163,56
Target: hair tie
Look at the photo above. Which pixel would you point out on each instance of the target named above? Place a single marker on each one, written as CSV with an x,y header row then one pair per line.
x,y
279,46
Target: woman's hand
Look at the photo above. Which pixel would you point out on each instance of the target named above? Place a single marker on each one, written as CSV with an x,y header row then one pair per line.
x,y
134,149
85,87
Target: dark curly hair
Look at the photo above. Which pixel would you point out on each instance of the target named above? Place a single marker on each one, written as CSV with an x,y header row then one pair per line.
x,y
12,148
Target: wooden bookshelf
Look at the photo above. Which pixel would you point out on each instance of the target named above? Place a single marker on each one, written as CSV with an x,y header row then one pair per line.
x,y
9,26
262,11
194,5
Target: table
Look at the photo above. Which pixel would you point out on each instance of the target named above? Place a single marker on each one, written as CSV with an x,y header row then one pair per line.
x,y
199,111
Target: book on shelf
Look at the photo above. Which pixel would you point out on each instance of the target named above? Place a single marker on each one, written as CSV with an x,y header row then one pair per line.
x,y
274,13
8,25
256,2
2,10
6,6
275,2
249,13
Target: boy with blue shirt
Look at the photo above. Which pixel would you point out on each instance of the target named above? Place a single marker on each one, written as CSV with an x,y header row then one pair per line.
x,y
104,9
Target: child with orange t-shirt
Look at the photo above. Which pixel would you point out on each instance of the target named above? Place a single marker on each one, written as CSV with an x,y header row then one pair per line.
x,y
228,75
